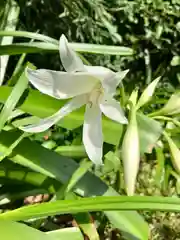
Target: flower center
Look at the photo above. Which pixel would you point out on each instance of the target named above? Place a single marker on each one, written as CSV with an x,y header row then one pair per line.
x,y
95,94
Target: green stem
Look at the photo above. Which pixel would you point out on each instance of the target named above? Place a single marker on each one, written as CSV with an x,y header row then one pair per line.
x,y
168,119
123,96
157,113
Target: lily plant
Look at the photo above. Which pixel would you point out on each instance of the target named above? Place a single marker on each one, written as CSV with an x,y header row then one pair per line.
x,y
93,86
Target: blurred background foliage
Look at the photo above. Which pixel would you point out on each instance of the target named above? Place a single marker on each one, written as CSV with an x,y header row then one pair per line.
x,y
150,27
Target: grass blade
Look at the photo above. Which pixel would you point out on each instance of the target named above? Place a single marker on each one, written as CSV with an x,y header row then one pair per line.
x,y
36,47
13,99
31,35
78,174
94,204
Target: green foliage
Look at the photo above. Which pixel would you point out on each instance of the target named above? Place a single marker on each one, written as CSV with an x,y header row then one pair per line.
x,y
150,27
141,35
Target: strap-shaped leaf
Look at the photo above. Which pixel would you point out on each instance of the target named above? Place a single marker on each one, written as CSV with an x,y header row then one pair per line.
x,y
41,105
53,165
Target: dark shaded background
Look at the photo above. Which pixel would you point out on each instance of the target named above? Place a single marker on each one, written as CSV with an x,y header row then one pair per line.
x,y
148,26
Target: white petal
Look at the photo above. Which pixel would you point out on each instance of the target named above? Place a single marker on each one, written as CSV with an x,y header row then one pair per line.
x,y
109,79
110,84
112,109
92,134
101,73
70,61
46,123
120,76
61,85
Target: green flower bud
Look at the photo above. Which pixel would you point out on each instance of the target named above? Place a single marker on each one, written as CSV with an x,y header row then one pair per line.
x,y
131,153
147,93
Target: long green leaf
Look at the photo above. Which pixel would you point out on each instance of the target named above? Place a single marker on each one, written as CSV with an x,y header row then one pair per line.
x,y
41,105
51,164
36,47
13,173
13,145
94,204
102,49
31,35
80,47
13,99
78,174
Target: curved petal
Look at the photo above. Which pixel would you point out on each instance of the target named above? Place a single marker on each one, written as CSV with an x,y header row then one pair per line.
x,y
112,109
70,61
101,73
61,85
92,134
110,84
109,79
120,76
46,123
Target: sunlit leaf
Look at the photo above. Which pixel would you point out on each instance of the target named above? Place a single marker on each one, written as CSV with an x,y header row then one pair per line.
x,y
172,107
93,204
175,152
175,61
36,47
13,99
41,105
147,93
149,132
66,234
30,35
61,168
13,230
78,174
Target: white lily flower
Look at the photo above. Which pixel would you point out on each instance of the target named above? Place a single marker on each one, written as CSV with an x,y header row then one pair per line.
x,y
90,85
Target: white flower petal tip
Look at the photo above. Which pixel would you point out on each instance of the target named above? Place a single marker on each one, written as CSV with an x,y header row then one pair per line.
x,y
63,40
48,122
29,71
120,76
97,162
124,121
112,109
125,72
70,60
31,129
40,126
